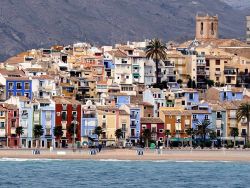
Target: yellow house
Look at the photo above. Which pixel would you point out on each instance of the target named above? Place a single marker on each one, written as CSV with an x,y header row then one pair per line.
x,y
107,119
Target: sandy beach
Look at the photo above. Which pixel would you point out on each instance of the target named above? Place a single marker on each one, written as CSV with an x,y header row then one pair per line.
x,y
128,154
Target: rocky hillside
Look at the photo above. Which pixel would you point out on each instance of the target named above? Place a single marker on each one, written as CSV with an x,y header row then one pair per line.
x,y
30,24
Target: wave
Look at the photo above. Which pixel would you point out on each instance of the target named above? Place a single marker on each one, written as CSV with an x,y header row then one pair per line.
x,y
25,159
115,160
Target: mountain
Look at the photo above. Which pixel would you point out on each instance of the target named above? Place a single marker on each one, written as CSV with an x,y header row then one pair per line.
x,y
239,4
30,24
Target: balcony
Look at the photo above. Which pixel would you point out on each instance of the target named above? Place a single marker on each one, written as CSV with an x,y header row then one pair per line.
x,y
133,124
217,73
133,116
201,72
229,72
45,88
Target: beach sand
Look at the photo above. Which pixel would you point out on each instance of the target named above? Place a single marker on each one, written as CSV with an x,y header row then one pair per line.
x,y
127,154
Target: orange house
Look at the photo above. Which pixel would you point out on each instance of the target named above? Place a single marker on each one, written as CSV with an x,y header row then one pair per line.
x,y
176,120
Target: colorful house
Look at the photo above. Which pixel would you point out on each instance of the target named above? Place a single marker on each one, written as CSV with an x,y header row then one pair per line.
x,y
44,114
156,126
68,112
177,121
18,86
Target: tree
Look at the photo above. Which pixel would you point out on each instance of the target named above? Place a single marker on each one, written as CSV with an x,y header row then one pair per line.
x,y
167,133
212,136
193,84
58,133
210,83
244,112
38,132
156,50
179,81
202,129
72,129
19,132
118,133
189,83
146,135
234,133
98,131
190,132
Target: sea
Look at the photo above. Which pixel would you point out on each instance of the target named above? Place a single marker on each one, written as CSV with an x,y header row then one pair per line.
x,y
113,173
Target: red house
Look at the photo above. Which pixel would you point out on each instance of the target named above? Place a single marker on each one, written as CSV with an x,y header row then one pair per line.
x,y
156,126
67,112
12,124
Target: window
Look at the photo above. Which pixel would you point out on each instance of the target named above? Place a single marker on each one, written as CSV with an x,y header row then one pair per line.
x,y
217,78
48,115
10,85
191,96
104,116
18,94
27,85
15,113
74,114
243,132
2,125
183,103
160,130
159,95
2,113
58,113
218,133
195,117
206,117
218,115
217,62
127,77
64,116
217,69
27,95
18,85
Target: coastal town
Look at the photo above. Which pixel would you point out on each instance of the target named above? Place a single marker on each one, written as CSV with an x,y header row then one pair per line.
x,y
148,93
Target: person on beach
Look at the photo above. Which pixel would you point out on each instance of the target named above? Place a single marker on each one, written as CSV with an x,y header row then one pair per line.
x,y
100,147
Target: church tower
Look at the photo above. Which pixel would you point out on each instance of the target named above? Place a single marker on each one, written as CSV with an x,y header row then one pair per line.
x,y
206,27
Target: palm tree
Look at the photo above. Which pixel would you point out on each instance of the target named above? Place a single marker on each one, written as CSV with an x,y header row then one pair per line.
x,y
202,129
98,131
190,132
146,135
244,112
19,132
58,133
156,50
72,131
38,132
167,133
118,133
234,133
212,136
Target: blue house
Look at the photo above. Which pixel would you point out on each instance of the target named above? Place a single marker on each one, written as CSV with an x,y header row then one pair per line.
x,y
191,97
89,123
44,114
134,124
18,86
226,93
218,119
199,113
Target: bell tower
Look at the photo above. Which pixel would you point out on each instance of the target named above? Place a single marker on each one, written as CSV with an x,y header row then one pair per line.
x,y
206,27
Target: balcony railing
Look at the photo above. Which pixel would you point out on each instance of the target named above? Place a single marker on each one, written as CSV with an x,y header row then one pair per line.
x,y
229,72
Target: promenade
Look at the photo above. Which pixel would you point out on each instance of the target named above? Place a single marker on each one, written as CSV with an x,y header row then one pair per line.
x,y
131,154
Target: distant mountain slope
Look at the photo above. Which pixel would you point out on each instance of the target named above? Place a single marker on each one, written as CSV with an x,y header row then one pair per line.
x,y
239,4
36,23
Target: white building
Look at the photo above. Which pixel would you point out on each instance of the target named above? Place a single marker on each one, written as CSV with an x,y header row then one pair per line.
x,y
44,86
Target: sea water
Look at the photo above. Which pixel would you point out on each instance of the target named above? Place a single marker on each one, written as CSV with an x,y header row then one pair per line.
x,y
114,173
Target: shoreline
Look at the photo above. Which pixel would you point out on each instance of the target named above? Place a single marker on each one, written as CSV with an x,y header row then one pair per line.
x,y
131,155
